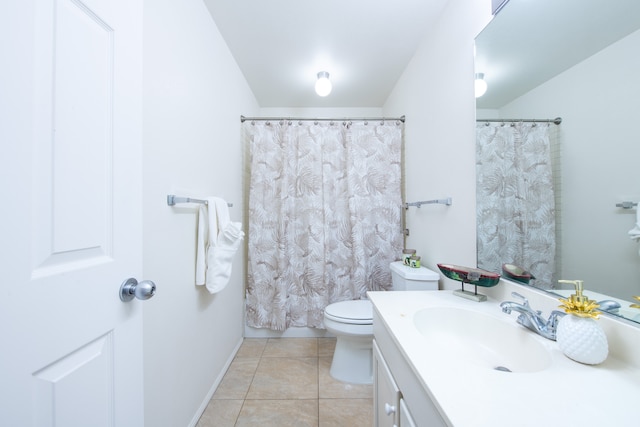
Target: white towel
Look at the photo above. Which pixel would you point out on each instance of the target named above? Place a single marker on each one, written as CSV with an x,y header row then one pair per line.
x,y
202,244
218,241
634,233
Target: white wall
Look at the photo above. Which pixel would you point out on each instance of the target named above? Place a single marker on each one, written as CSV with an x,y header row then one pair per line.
x,y
321,112
436,95
598,102
194,95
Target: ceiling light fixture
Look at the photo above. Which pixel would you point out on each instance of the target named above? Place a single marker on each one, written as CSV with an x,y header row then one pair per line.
x,y
323,85
480,85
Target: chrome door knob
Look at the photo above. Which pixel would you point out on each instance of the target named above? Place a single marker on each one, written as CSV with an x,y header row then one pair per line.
x,y
130,289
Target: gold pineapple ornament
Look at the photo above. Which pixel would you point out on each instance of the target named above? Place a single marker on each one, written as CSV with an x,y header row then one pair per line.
x,y
579,335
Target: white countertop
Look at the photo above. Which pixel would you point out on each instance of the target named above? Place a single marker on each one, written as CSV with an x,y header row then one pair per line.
x,y
566,393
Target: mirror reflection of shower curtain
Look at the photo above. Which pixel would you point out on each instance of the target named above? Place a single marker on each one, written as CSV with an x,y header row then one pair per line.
x,y
515,198
324,216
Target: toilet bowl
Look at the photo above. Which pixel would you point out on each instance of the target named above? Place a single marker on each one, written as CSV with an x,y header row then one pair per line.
x,y
352,324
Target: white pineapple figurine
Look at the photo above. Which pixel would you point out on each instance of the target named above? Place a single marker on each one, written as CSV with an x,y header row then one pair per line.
x,y
578,334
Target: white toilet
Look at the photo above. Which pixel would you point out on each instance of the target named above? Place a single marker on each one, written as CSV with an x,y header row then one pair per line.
x,y
352,323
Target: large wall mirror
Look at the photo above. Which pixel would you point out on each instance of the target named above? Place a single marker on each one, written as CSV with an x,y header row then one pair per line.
x,y
578,60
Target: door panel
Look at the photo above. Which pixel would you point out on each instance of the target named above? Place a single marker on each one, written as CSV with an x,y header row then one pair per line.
x,y
73,194
71,232
89,368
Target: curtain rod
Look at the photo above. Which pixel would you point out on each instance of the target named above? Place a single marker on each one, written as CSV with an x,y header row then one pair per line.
x,y
556,121
372,119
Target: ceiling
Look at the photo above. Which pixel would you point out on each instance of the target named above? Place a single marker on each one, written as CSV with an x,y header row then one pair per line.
x,y
516,53
281,45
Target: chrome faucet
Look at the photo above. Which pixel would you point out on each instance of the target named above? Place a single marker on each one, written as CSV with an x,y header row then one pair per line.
x,y
609,306
532,319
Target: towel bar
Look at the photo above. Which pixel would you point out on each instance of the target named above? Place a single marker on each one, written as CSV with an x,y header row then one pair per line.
x,y
446,201
172,199
626,205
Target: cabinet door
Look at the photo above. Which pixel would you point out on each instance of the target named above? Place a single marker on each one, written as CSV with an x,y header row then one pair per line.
x,y
405,416
386,393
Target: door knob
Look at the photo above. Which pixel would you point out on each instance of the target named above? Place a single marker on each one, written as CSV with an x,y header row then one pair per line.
x,y
130,288
389,409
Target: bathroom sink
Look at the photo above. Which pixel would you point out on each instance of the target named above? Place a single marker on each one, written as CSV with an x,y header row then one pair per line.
x,y
471,337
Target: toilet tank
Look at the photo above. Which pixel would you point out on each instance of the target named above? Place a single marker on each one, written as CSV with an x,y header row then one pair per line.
x,y
405,278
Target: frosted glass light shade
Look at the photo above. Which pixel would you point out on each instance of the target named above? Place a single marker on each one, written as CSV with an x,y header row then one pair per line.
x,y
480,85
323,85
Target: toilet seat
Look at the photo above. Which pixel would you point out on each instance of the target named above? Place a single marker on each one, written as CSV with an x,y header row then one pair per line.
x,y
356,312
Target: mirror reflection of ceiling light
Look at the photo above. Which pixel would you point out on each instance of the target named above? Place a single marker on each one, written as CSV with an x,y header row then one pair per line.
x,y
323,85
480,85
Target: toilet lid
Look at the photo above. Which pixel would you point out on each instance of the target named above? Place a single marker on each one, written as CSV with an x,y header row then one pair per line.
x,y
358,312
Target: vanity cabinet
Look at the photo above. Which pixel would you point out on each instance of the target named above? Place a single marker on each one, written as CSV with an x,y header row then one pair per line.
x,y
440,376
400,399
390,406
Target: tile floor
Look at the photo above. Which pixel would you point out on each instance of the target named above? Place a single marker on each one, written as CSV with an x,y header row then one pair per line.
x,y
286,382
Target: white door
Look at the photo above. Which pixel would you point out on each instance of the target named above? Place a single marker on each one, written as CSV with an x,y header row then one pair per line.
x,y
70,229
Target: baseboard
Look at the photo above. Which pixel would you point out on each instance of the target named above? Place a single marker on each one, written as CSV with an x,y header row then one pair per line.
x,y
250,332
214,387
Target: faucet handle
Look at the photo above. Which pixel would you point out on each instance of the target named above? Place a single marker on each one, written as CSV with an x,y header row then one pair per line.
x,y
555,317
525,301
517,295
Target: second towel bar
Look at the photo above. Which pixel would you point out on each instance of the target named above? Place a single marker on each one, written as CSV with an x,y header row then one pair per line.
x,y
626,205
172,199
446,201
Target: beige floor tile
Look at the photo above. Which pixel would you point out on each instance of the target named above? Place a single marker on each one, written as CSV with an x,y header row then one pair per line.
x,y
252,347
291,347
285,378
279,413
236,381
286,382
220,413
326,347
345,412
328,387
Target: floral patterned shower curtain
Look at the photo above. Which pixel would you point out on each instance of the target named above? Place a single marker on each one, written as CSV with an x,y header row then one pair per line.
x,y
515,198
324,216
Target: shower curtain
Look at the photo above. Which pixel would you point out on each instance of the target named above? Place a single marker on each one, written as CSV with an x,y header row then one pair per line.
x,y
324,216
515,198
